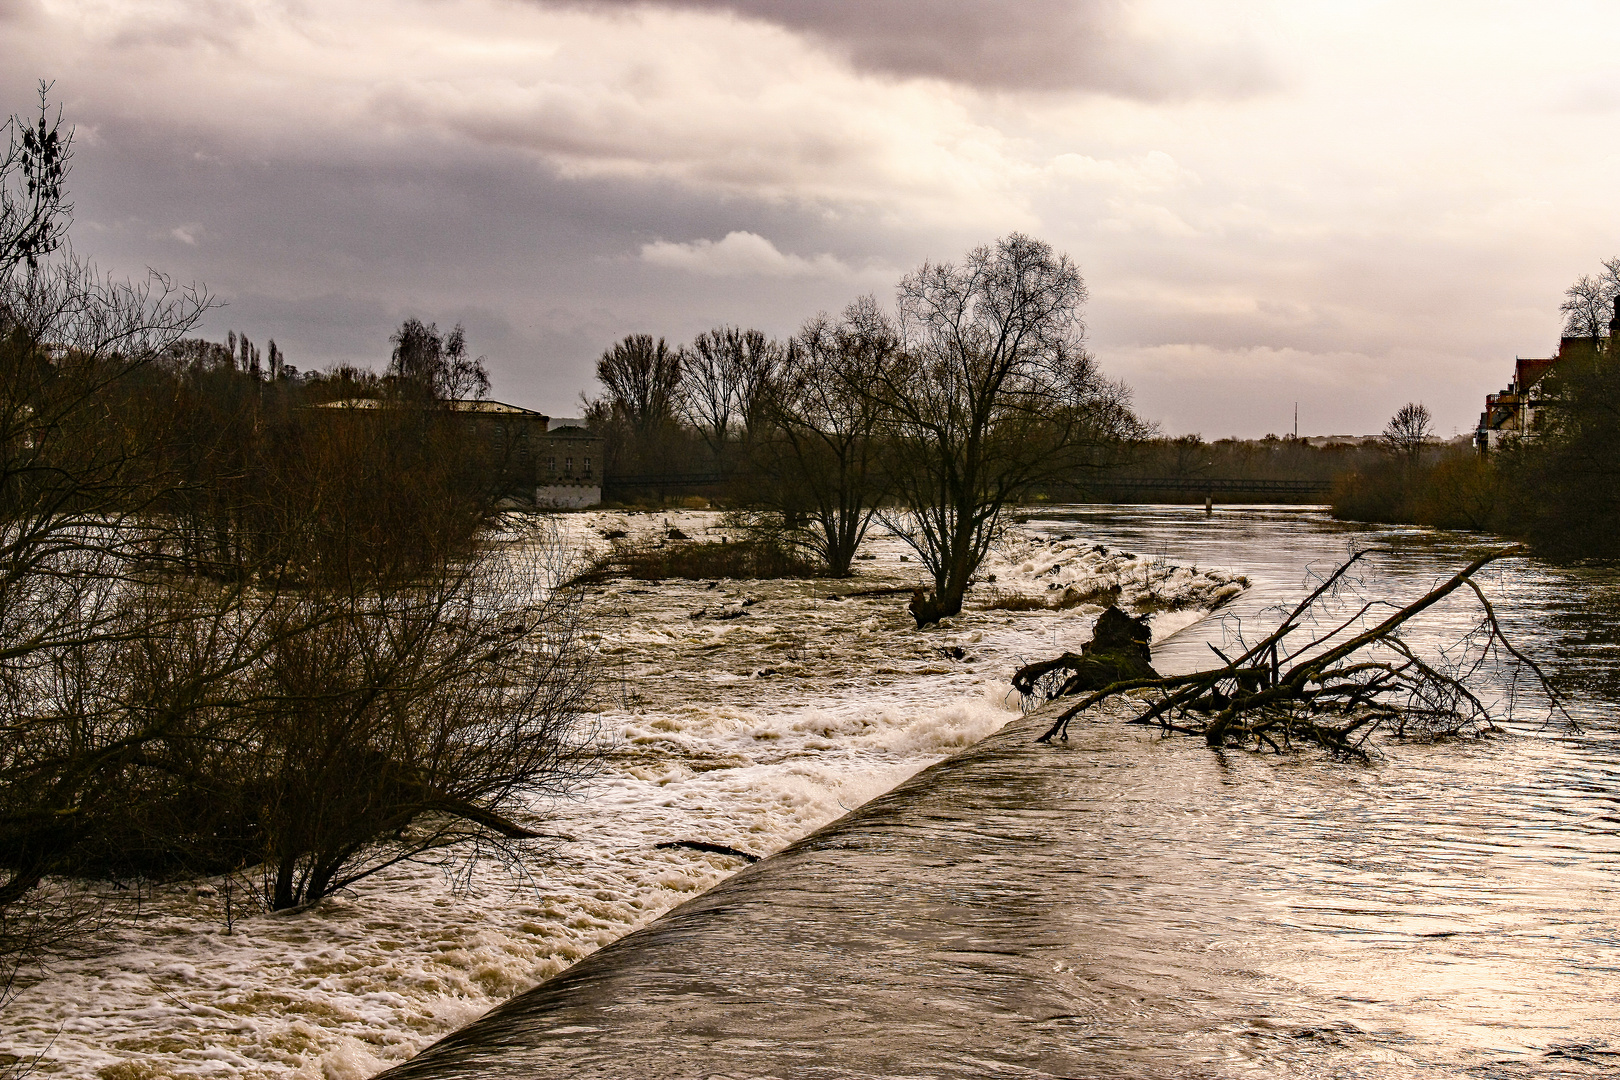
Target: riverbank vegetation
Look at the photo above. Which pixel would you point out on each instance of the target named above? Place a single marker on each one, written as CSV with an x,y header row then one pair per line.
x,y
1556,487
243,634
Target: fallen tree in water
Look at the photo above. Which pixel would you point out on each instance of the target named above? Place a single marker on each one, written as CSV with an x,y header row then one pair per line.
x,y
1328,675
1119,651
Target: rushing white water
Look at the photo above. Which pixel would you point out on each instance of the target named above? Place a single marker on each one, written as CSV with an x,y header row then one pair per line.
x,y
737,713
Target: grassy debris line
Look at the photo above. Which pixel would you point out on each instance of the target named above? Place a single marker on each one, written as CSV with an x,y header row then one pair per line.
x,y
1070,598
745,560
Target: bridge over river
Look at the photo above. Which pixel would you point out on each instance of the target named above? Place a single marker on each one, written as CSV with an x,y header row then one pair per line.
x,y
1112,489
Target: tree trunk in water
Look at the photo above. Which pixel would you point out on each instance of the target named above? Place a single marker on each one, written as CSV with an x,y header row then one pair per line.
x,y
320,879
284,883
930,607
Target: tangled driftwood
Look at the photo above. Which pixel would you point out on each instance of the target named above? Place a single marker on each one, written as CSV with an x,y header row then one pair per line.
x,y
1325,676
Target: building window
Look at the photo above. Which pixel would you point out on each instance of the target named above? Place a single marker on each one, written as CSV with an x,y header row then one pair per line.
x,y
587,466
568,466
553,465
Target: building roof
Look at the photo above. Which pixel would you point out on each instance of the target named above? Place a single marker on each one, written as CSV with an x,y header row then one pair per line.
x,y
1527,371
465,405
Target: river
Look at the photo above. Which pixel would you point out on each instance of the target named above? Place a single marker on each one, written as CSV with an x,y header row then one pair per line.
x,y
1118,905
1128,905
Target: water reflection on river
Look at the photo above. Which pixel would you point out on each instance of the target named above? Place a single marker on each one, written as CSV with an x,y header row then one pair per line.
x,y
1124,905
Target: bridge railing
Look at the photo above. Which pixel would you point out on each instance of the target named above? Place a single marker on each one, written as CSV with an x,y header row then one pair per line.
x,y
1167,485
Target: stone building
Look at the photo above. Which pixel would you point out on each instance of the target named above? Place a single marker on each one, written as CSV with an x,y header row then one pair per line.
x,y
568,465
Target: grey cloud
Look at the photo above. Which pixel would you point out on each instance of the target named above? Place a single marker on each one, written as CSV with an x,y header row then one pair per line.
x,y
327,256
1042,45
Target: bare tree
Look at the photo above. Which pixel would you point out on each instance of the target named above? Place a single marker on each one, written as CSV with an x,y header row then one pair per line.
x,y
78,433
643,384
1408,431
992,392
709,401
1588,306
826,456
434,365
728,375
80,463
759,360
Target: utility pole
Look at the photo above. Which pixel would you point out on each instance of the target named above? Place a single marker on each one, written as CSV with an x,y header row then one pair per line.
x,y
1296,421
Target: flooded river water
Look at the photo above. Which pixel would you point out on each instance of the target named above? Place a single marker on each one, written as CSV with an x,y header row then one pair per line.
x,y
1125,905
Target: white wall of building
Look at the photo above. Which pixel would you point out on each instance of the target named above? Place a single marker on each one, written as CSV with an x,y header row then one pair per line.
x,y
567,496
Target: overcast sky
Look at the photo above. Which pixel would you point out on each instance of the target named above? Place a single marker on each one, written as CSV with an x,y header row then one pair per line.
x,y
1349,204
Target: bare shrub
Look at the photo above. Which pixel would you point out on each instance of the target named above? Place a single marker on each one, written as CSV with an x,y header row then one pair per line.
x,y
415,719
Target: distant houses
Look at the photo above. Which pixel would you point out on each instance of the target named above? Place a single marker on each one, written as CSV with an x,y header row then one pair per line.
x,y
545,463
1518,412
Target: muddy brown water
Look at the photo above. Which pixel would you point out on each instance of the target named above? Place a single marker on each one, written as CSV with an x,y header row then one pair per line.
x,y
1124,905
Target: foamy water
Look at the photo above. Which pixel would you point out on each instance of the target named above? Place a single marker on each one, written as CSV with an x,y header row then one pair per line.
x,y
748,731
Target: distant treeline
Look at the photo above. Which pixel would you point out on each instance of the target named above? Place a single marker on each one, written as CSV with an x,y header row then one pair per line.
x,y
1147,468
688,462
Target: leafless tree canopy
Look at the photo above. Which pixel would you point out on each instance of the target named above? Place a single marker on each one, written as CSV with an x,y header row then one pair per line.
x,y
435,364
826,456
993,390
728,373
1407,431
1588,305
77,471
642,380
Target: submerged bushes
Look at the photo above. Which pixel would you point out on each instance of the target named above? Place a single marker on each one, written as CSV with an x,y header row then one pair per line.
x,y
745,560
319,735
